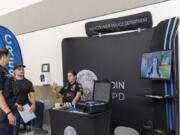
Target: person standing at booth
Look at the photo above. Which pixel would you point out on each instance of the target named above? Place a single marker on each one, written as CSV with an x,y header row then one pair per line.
x,y
7,98
154,70
25,94
72,90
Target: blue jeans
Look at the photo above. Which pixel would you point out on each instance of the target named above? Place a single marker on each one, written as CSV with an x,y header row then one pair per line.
x,y
7,129
39,115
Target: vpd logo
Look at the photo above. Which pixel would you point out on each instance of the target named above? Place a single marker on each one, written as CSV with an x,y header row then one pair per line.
x,y
86,78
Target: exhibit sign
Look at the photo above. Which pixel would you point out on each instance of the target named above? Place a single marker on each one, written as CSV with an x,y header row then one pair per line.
x,y
142,20
9,41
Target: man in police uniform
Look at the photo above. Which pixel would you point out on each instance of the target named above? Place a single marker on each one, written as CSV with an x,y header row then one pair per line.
x,y
6,95
25,94
71,92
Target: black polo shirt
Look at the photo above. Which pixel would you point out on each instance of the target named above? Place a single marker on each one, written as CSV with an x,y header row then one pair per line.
x,y
22,90
69,91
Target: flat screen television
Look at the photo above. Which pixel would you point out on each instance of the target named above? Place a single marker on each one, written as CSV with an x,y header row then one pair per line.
x,y
156,65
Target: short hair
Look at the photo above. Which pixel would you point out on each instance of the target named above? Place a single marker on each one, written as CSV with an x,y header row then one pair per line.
x,y
73,72
3,51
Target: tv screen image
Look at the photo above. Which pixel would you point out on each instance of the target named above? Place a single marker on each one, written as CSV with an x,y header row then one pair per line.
x,y
156,65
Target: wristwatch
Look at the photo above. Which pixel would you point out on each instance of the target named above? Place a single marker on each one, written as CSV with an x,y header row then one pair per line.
x,y
8,113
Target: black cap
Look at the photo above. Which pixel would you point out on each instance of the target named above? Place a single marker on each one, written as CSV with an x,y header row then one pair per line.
x,y
18,65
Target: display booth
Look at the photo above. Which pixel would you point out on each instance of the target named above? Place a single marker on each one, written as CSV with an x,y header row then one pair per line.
x,y
142,66
118,57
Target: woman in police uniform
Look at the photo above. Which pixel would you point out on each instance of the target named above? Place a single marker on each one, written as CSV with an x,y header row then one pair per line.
x,y
72,90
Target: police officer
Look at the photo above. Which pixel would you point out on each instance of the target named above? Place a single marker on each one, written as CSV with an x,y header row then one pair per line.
x,y
72,90
6,95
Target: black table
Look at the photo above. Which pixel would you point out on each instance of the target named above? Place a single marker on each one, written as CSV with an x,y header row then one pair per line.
x,y
63,121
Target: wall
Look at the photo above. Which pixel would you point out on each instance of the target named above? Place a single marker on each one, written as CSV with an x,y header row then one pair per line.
x,y
45,46
44,93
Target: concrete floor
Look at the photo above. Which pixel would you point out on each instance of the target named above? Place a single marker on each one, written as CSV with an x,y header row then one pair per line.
x,y
47,127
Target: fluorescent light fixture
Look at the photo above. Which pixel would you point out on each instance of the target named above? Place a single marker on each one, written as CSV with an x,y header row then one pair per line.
x,y
7,6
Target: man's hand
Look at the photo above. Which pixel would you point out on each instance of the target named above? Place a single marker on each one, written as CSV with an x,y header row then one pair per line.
x,y
78,95
5,108
73,102
19,107
12,119
54,87
33,108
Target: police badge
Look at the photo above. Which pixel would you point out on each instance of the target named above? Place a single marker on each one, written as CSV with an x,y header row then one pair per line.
x,y
73,88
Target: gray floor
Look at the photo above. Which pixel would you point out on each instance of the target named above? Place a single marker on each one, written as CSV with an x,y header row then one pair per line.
x,y
47,127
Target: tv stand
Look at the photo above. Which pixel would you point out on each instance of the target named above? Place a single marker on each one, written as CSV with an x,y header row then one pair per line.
x,y
159,96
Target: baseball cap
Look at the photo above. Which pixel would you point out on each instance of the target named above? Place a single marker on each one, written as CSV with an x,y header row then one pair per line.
x,y
18,65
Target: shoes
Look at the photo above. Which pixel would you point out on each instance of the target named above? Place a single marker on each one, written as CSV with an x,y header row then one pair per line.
x,y
40,131
25,128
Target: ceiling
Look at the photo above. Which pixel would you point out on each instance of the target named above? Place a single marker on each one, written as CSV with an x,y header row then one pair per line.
x,y
7,6
50,13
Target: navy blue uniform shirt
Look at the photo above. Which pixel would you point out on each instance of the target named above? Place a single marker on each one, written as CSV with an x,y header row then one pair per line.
x,y
69,91
6,80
